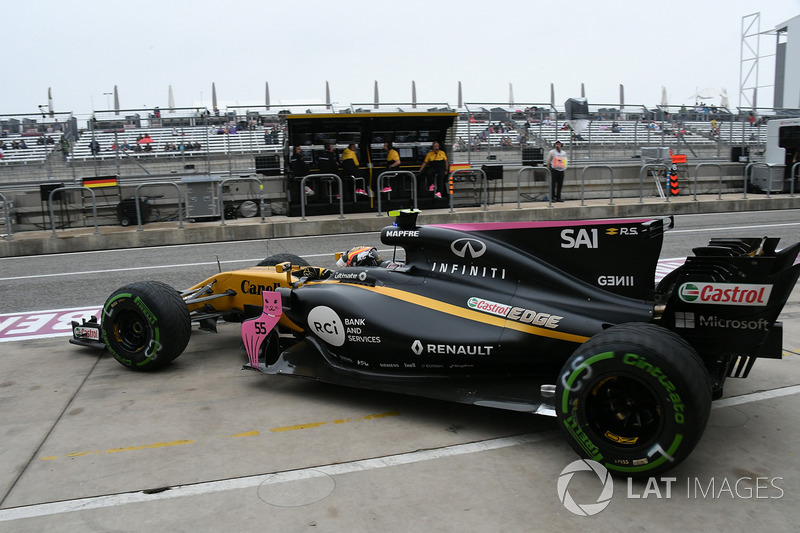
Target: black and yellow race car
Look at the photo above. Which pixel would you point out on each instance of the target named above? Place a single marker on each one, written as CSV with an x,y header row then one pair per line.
x,y
555,318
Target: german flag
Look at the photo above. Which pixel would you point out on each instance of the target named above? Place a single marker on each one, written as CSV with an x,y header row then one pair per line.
x,y
100,181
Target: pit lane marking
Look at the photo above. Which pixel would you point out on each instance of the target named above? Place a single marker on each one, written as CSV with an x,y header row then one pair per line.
x,y
287,476
254,433
249,482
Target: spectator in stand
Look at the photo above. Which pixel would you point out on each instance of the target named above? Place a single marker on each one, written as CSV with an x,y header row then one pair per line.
x,y
556,161
94,147
1,153
64,148
22,144
436,165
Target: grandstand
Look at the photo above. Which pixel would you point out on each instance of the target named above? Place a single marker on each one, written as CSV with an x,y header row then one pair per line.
x,y
37,148
212,140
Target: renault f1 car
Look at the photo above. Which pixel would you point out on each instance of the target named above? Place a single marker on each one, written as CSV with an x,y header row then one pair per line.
x,y
555,318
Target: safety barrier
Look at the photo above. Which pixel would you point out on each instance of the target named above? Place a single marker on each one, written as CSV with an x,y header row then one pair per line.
x,y
534,169
71,188
696,170
242,178
658,183
321,176
747,175
139,209
485,185
394,173
583,182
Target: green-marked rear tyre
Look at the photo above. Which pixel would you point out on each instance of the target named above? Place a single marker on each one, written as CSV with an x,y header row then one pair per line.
x,y
146,325
635,398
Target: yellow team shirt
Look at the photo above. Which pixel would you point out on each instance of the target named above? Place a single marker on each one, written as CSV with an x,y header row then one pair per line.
x,y
392,156
435,155
349,154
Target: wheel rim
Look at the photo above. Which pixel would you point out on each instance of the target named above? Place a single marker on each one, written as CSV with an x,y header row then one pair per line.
x,y
131,331
624,410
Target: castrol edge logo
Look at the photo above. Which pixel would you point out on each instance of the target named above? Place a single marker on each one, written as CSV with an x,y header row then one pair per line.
x,y
517,314
725,293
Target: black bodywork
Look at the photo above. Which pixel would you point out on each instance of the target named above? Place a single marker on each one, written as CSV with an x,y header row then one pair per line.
x,y
488,313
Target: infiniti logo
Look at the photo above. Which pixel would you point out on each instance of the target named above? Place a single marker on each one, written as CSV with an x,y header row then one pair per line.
x,y
468,247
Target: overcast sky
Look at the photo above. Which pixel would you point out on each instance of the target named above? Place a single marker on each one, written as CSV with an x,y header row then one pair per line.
x,y
83,48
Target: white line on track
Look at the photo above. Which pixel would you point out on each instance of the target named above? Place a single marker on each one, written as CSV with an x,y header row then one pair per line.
x,y
249,482
266,241
249,262
734,228
113,500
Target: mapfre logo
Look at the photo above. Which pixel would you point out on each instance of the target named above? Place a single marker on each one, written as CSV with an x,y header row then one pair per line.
x,y
725,293
468,247
326,324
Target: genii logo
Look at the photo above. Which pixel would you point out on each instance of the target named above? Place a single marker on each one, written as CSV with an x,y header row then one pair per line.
x,y
326,324
725,293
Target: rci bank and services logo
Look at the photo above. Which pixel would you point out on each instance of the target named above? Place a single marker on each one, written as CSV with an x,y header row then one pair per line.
x,y
585,509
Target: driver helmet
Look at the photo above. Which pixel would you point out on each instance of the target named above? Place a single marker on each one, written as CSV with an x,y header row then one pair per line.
x,y
359,256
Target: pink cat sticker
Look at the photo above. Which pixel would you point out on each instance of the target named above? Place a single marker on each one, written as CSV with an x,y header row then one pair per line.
x,y
255,330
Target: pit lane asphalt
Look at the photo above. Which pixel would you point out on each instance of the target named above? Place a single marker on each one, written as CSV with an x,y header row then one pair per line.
x,y
87,445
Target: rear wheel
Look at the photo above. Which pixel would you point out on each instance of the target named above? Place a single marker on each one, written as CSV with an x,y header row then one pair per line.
x,y
146,325
273,260
635,398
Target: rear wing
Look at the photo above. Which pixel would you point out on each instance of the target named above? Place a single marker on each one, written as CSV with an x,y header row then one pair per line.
x,y
725,299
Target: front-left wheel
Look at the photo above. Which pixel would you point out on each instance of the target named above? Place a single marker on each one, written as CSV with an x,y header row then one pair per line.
x,y
146,325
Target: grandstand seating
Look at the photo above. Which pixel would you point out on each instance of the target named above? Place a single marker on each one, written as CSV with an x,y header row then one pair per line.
x,y
247,141
599,133
34,153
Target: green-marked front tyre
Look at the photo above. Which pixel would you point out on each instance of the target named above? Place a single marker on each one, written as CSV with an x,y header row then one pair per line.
x,y
635,398
145,325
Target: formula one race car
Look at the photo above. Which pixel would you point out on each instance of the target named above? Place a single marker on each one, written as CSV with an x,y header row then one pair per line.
x,y
556,318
